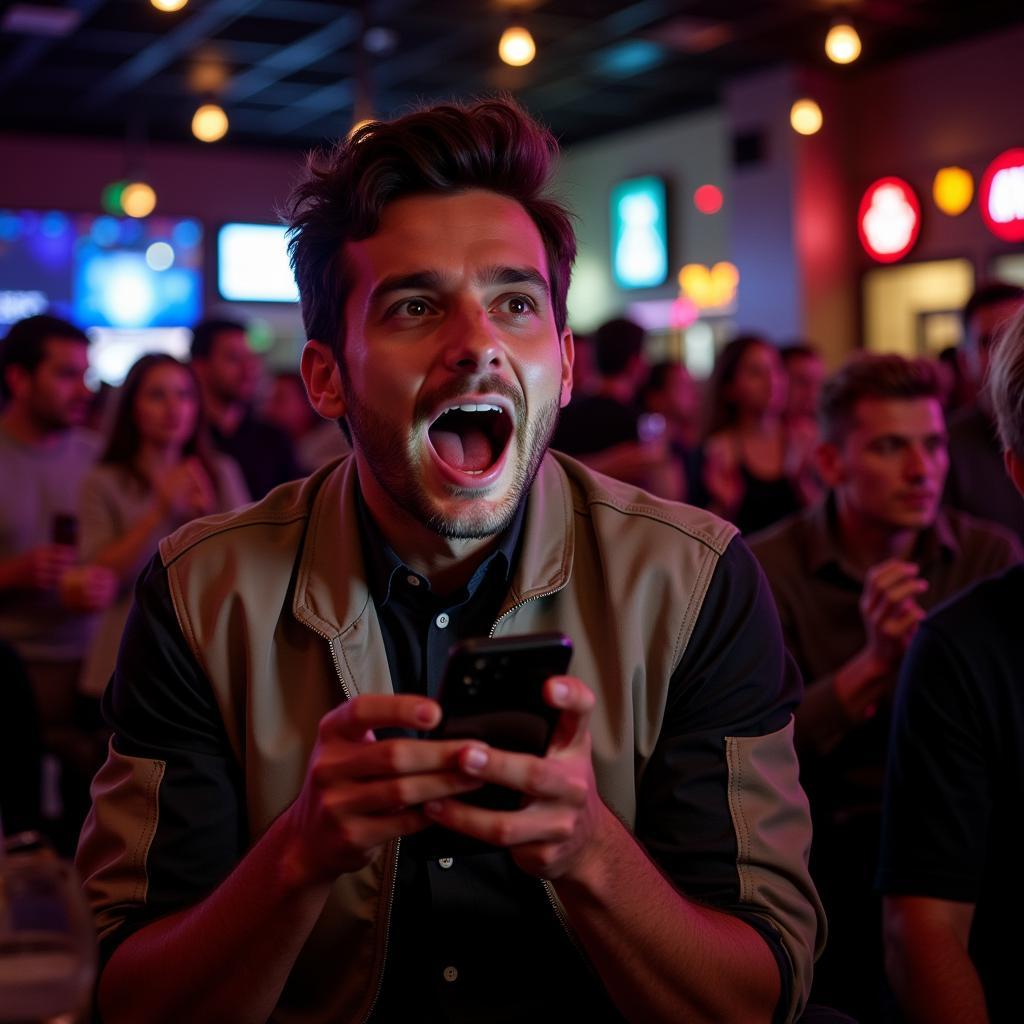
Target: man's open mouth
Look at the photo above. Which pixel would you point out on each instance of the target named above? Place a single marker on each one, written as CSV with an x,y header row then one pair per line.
x,y
471,437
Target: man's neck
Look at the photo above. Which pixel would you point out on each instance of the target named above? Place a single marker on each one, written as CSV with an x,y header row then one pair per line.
x,y
19,424
447,562
866,543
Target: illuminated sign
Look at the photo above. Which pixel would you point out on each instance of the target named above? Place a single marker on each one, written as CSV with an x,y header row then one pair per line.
x,y
1001,196
889,220
639,233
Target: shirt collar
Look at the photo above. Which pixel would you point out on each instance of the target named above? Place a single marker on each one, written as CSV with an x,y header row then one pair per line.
x,y
824,549
384,567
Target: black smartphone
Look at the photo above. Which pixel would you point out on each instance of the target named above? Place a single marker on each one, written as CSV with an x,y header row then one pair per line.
x,y
492,691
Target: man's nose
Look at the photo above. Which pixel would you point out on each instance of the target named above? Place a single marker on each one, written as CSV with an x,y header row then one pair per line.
x,y
472,344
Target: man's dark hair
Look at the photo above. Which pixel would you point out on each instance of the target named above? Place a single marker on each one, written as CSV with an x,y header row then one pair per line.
x,y
616,343
205,333
444,150
872,376
25,344
991,293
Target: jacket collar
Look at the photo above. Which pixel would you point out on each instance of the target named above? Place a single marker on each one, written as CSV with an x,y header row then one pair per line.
x,y
331,586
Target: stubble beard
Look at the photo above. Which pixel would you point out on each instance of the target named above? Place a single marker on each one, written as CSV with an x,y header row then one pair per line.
x,y
395,468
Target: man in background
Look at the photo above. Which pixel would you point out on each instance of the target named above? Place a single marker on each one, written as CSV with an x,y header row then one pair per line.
x,y
977,482
853,576
46,598
228,373
952,830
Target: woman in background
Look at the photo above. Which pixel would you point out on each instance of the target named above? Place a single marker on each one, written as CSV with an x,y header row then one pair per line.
x,y
156,473
756,471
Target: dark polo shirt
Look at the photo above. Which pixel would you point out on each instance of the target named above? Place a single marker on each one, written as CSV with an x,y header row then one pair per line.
x,y
817,593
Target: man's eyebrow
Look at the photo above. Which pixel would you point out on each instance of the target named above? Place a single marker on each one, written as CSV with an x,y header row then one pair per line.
x,y
514,275
425,280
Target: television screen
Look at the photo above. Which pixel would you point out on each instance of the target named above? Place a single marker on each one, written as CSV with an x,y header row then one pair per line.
x,y
114,350
252,264
639,223
100,271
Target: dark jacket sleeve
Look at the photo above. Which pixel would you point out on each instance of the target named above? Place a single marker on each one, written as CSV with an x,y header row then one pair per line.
x,y
167,821
720,809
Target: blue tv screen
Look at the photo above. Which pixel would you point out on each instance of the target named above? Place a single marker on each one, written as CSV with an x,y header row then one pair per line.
x,y
100,271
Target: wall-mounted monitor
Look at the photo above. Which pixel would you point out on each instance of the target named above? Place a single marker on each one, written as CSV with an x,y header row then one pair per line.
x,y
100,271
639,223
252,264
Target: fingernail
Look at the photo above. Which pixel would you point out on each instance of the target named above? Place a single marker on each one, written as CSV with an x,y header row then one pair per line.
x,y
425,714
474,758
560,692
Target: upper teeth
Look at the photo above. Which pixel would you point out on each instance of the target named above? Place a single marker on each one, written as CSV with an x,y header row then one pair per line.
x,y
481,407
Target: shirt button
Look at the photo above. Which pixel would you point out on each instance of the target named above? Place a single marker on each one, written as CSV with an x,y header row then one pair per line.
x,y
442,620
413,581
446,862
450,973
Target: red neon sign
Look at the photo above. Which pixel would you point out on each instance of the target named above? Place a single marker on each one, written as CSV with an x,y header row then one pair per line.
x,y
1001,196
889,220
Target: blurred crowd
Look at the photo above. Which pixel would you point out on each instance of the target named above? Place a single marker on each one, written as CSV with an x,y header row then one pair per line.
x,y
869,495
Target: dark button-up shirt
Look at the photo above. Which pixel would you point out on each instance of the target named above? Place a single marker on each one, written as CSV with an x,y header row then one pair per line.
x,y
461,920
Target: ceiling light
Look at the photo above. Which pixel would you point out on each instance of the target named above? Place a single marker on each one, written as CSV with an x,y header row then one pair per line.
x,y
517,46
138,199
168,5
842,44
209,123
805,117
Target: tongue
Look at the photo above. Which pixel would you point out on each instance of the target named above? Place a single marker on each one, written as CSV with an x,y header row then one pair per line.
x,y
469,450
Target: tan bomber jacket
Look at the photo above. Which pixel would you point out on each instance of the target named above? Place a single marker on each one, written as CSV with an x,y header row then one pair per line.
x,y
273,602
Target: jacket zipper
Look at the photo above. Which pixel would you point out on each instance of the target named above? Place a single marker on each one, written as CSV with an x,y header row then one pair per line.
x,y
393,864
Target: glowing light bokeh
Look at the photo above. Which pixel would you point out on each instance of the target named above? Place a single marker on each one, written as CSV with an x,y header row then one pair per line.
x,y
209,123
708,199
160,256
805,117
138,199
953,190
516,46
842,44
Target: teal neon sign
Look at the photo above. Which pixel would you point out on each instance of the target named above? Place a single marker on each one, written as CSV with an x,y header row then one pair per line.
x,y
639,233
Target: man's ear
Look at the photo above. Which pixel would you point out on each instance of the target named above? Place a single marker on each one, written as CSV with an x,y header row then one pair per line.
x,y
322,377
568,355
831,466
1015,468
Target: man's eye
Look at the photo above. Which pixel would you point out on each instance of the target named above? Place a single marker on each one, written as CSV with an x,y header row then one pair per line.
x,y
414,307
518,305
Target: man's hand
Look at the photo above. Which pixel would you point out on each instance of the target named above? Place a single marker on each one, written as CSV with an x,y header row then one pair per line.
x,y
891,614
41,568
890,610
88,588
361,792
554,831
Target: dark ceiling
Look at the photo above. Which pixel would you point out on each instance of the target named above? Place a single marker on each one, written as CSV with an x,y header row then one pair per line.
x,y
294,72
